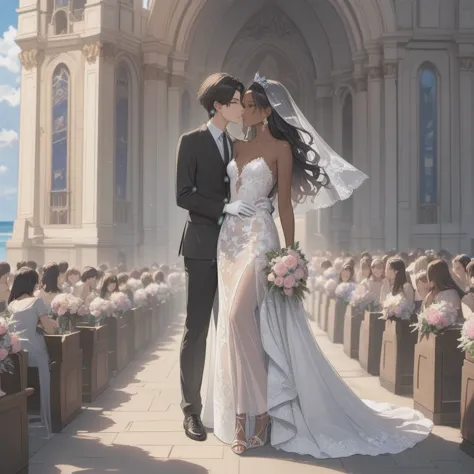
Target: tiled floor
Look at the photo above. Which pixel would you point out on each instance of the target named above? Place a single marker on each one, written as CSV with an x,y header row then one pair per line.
x,y
135,427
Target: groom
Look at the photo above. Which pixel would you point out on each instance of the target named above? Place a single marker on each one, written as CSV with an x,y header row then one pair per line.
x,y
202,188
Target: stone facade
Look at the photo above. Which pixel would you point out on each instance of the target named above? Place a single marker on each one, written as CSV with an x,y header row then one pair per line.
x,y
109,85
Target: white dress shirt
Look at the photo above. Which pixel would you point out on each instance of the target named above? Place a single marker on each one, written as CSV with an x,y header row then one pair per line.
x,y
218,138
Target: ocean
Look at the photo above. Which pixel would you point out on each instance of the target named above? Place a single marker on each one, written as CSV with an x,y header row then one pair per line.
x,y
6,229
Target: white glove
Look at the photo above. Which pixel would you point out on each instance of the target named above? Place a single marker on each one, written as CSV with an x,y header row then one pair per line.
x,y
240,209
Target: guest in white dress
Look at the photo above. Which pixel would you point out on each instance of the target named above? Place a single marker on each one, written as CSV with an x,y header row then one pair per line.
x,y
459,271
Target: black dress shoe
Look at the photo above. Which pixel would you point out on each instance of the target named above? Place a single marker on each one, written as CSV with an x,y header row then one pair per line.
x,y
194,428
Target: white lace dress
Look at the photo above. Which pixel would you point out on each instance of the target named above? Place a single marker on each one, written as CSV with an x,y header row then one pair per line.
x,y
263,356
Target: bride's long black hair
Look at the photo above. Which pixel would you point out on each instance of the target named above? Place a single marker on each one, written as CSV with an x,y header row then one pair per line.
x,y
308,176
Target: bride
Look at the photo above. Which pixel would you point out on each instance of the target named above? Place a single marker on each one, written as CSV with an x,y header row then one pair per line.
x,y
266,375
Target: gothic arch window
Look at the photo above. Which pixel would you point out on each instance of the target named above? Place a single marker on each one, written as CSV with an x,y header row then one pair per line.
x,y
122,141
59,200
428,145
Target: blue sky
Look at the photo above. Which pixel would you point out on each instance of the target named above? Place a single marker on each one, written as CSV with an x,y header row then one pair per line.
x,y
9,110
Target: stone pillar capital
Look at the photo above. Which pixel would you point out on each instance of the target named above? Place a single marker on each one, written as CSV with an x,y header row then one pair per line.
x,y
92,51
390,69
153,72
29,58
374,73
466,63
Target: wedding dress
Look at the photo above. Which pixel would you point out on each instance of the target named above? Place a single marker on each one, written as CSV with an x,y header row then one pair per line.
x,y
262,356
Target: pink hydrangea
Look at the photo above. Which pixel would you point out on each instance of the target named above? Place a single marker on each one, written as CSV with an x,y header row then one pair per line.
x,y
280,269
289,281
279,281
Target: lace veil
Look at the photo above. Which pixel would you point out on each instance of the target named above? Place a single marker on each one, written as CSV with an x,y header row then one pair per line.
x,y
343,177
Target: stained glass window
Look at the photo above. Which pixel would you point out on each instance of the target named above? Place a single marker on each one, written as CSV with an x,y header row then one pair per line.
x,y
60,128
61,3
428,146
122,95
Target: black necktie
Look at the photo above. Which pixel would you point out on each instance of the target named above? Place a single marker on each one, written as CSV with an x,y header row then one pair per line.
x,y
226,149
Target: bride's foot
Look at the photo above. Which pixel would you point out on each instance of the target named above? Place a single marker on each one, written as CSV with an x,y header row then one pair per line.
x,y
262,431
240,444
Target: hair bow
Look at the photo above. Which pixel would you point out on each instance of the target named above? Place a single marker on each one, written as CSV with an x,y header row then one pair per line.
x,y
262,80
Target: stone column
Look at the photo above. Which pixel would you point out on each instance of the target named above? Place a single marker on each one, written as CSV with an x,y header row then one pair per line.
x,y
98,160
391,155
375,154
467,149
324,126
361,231
154,150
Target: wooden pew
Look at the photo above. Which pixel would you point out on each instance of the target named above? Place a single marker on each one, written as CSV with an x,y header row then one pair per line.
x,y
467,406
118,334
437,377
335,325
397,355
370,342
323,311
352,321
95,361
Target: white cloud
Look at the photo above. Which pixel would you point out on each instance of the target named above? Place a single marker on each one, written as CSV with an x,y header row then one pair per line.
x,y
8,192
10,95
9,51
7,137
3,169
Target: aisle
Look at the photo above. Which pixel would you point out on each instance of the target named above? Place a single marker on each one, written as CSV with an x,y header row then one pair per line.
x,y
135,427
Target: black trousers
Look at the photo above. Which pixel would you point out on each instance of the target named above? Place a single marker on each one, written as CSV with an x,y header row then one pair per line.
x,y
202,289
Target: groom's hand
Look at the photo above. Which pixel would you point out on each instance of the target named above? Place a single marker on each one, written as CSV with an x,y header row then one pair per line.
x,y
240,209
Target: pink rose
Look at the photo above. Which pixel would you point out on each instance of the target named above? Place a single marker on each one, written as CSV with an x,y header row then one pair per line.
x,y
434,319
470,328
291,262
3,328
271,277
279,281
289,281
299,274
288,291
3,353
280,269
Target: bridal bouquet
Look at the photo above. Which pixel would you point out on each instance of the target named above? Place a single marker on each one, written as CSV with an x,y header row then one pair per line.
x,y
344,291
467,337
121,302
9,344
396,306
287,272
436,318
361,297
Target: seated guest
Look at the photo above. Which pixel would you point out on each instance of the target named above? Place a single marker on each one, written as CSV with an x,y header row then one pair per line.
x,y
31,264
122,280
422,288
73,275
86,287
468,300
4,275
159,277
63,268
419,265
459,273
49,284
109,285
27,313
365,270
21,264
325,265
396,281
442,286
146,279
375,281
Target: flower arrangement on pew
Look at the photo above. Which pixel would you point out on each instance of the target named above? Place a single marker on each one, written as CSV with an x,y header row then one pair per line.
x,y
133,284
319,282
330,274
159,292
141,299
362,298
436,318
99,309
330,287
176,282
9,344
66,308
344,291
121,303
396,307
467,337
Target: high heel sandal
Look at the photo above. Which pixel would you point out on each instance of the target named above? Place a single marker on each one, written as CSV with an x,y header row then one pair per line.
x,y
239,446
256,441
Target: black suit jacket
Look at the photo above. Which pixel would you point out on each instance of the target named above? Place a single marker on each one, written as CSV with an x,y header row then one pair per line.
x,y
202,188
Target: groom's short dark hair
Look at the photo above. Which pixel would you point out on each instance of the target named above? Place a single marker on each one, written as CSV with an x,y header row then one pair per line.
x,y
220,87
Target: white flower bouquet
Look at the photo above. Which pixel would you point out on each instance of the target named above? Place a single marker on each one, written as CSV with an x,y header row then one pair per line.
x,y
467,337
344,291
396,306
